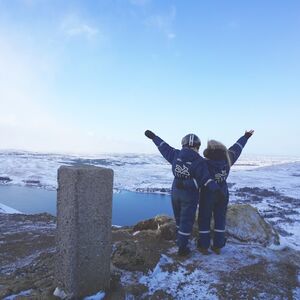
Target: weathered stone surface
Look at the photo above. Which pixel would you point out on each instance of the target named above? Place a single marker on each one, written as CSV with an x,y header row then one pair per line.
x,y
152,224
167,231
163,226
134,256
84,210
245,224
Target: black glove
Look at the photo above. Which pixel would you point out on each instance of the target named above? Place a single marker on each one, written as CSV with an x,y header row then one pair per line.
x,y
219,195
248,133
149,134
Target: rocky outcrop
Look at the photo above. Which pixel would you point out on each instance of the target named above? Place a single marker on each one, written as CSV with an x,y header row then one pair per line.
x,y
145,264
245,224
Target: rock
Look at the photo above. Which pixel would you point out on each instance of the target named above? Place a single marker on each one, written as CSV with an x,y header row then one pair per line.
x,y
5,179
167,231
133,256
243,270
245,224
152,224
163,226
126,255
121,234
31,182
136,289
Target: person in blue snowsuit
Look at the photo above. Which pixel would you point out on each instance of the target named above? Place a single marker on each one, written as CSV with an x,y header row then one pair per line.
x,y
219,161
186,164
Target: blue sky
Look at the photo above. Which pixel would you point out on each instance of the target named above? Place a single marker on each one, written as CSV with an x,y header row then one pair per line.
x,y
91,76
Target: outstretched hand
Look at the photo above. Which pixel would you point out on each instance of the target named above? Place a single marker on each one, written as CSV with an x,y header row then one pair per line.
x,y
248,133
149,134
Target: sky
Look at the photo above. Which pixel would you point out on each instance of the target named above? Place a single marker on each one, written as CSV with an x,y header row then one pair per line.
x,y
92,76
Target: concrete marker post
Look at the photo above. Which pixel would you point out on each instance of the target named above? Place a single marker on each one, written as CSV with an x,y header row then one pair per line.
x,y
84,212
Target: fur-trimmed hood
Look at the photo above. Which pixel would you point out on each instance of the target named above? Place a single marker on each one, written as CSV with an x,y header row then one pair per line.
x,y
216,151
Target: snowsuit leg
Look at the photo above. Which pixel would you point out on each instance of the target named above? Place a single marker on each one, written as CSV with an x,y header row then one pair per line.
x,y
206,205
176,205
184,206
220,209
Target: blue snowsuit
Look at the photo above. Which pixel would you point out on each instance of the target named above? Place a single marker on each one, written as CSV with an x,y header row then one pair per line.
x,y
186,164
209,205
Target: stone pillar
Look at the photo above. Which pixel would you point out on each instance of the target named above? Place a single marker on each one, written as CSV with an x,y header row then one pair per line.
x,y
84,210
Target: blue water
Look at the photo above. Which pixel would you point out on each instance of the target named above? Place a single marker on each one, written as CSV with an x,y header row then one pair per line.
x,y
128,207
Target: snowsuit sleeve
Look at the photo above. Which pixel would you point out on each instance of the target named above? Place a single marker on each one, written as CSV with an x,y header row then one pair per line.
x,y
165,149
203,177
235,150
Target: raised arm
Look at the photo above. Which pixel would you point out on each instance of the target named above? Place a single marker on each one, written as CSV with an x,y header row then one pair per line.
x,y
235,150
165,149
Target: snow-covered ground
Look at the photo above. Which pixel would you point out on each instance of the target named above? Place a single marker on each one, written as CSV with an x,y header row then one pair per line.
x,y
8,210
270,183
142,171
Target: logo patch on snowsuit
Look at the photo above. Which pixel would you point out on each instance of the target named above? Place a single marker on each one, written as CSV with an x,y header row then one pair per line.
x,y
220,177
181,171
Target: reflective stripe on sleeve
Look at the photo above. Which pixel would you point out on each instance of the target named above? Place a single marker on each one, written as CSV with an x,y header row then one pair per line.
x,y
219,230
196,184
240,145
161,143
204,231
207,182
183,233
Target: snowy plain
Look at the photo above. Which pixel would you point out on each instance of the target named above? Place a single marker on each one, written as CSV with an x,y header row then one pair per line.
x,y
270,183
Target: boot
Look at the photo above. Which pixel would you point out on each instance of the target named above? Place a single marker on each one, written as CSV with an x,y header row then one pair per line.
x,y
216,250
203,251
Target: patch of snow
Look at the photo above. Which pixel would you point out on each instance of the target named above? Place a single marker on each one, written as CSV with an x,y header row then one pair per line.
x,y
23,293
99,296
196,276
8,210
59,293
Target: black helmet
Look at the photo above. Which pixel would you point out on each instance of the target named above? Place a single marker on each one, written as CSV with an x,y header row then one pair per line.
x,y
190,140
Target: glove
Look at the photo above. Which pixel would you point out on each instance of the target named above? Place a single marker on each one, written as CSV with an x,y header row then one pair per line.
x,y
219,195
248,133
149,134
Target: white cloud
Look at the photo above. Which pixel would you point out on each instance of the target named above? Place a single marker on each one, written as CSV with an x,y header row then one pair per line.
x,y
73,26
163,23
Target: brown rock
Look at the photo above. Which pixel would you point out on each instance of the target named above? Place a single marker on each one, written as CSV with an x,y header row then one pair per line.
x,y
132,256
